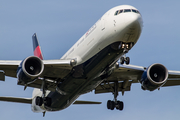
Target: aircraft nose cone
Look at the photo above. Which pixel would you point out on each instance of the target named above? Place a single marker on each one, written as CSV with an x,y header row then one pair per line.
x,y
134,20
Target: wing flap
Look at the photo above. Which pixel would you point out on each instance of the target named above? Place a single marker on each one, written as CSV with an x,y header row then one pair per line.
x,y
50,84
106,88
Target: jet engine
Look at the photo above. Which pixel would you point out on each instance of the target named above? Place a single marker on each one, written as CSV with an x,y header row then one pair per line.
x,y
29,69
154,77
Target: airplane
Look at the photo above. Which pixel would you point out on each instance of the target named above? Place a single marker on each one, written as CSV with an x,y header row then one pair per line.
x,y
92,63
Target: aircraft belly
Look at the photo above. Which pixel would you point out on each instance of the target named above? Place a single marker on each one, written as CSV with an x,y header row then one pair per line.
x,y
82,79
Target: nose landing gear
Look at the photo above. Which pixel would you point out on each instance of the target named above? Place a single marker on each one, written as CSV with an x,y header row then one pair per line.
x,y
126,48
125,59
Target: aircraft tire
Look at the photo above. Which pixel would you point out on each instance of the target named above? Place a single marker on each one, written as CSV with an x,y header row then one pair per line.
x,y
112,105
127,60
47,101
39,101
121,105
122,60
108,104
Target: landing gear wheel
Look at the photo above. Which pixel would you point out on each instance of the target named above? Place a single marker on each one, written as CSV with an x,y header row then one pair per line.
x,y
47,101
127,60
108,104
120,105
112,105
39,101
122,60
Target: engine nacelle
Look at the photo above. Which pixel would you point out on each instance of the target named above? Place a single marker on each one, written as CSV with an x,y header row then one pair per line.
x,y
154,77
29,69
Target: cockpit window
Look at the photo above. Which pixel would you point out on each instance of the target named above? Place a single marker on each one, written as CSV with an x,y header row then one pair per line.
x,y
116,13
120,11
136,11
126,10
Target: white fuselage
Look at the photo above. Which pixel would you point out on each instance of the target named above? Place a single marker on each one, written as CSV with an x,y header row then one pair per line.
x,y
108,29
122,26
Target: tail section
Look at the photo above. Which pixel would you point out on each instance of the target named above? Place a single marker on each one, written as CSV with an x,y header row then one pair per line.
x,y
36,47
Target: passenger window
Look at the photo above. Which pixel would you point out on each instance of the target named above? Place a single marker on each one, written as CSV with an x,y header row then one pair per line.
x,y
127,10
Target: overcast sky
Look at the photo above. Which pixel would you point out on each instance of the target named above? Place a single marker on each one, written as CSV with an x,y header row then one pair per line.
x,y
59,24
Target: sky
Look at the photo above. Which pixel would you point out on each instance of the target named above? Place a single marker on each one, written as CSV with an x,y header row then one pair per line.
x,y
59,24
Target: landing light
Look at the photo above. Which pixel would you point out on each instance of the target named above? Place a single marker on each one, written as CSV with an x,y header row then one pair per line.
x,y
125,46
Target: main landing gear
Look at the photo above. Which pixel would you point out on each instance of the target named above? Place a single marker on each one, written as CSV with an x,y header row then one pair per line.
x,y
43,100
119,105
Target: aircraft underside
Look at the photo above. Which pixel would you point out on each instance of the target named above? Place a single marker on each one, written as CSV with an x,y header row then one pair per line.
x,y
80,80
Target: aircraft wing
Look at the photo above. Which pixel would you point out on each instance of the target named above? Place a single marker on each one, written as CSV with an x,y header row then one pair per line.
x,y
53,70
29,100
9,68
17,100
125,75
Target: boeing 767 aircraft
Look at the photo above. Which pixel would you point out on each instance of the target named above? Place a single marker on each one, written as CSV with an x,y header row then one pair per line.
x,y
90,64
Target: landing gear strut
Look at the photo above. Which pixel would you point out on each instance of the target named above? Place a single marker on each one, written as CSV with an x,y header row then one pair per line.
x,y
46,100
119,105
